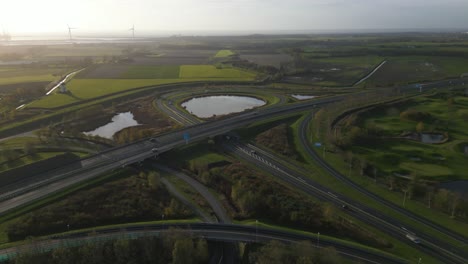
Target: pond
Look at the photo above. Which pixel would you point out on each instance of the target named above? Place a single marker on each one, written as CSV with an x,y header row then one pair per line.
x,y
209,106
432,138
460,186
303,97
119,122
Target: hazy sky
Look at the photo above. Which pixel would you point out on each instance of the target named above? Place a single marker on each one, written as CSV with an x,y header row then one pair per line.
x,y
174,16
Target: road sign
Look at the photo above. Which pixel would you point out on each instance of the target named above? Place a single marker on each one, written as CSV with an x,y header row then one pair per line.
x,y
318,144
186,137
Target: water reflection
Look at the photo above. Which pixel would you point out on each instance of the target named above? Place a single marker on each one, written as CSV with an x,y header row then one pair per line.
x,y
119,122
208,106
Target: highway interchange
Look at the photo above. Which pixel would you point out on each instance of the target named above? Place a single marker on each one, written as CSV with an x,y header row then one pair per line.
x,y
30,190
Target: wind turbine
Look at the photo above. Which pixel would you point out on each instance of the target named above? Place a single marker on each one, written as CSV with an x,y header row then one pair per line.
x,y
133,31
70,31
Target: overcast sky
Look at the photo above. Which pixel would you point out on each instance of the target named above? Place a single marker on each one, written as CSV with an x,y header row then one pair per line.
x,y
175,16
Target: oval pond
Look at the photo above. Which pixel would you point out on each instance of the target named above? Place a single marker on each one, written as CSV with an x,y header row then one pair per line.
x,y
208,106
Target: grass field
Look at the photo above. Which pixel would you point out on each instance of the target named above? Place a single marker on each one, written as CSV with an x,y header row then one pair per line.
x,y
211,72
151,72
27,74
83,89
224,53
28,78
436,161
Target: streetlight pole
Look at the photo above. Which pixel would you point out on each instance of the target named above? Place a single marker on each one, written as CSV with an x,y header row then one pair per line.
x,y
318,239
404,198
256,231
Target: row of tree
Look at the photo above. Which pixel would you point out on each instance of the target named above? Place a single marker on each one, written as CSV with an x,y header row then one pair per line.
x,y
172,247
132,198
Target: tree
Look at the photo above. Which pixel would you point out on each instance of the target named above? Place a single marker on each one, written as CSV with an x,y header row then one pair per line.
x,y
183,251
420,127
304,251
329,255
455,201
153,180
29,148
274,252
201,253
318,118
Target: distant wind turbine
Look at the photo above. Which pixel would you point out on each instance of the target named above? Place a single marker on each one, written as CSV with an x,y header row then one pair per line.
x,y
70,31
133,31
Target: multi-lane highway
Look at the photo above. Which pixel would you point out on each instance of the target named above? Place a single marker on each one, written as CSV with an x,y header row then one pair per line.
x,y
299,179
29,190
405,213
41,185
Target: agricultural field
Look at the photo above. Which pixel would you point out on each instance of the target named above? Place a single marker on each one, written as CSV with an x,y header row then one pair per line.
x,y
224,53
83,89
83,50
334,71
410,69
121,71
26,73
210,71
274,60
438,114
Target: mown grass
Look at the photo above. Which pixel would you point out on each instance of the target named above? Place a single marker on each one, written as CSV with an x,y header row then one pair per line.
x,y
437,161
224,53
152,72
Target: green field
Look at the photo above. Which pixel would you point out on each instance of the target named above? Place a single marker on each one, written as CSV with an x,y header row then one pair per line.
x,y
152,72
224,53
436,161
211,72
25,74
28,78
83,89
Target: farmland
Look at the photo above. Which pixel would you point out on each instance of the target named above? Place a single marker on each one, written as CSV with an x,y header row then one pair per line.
x,y
408,69
224,53
24,74
119,71
274,59
209,71
83,89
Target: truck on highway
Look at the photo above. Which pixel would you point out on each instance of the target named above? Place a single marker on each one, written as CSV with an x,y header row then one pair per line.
x,y
413,238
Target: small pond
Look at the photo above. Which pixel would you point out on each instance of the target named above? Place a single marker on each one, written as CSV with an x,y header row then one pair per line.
x,y
460,186
209,106
119,122
432,138
303,97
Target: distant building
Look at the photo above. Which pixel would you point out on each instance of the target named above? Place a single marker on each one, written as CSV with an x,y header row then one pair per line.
x,y
63,88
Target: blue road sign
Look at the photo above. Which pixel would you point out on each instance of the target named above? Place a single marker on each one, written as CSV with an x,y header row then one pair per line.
x,y
318,144
186,137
